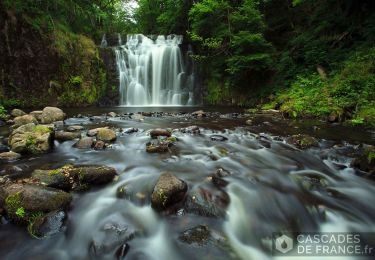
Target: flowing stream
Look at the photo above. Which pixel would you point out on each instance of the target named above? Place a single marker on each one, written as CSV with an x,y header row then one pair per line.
x,y
267,186
153,72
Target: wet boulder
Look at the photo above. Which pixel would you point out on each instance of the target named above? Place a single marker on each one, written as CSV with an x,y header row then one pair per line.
x,y
199,235
137,117
160,132
333,117
112,114
17,112
52,178
130,130
9,156
366,161
46,225
159,146
37,114
199,113
66,136
92,174
191,130
303,141
106,135
23,120
207,203
52,114
31,138
167,191
23,201
100,145
84,143
3,148
111,236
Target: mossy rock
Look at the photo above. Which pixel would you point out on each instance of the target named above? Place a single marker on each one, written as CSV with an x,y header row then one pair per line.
x,y
93,174
366,162
303,141
22,201
52,178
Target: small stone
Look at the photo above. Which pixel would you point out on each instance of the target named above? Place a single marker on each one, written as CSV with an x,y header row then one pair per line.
x,y
160,132
130,130
112,114
218,138
75,128
333,117
249,122
137,117
199,113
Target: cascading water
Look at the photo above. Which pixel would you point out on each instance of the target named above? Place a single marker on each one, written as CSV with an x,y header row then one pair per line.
x,y
152,73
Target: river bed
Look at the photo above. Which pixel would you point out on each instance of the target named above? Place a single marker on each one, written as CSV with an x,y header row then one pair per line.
x,y
252,184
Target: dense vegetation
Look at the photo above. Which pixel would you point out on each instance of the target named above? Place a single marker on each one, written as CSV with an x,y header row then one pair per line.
x,y
305,57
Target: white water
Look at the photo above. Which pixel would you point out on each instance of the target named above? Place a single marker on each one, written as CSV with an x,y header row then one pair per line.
x,y
152,73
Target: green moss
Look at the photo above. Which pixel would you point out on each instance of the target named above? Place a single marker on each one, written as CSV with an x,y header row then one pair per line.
x,y
54,172
163,197
13,206
31,141
36,216
370,156
20,212
42,129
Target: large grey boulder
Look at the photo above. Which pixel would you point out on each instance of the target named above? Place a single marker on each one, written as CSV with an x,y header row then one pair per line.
x,y
52,114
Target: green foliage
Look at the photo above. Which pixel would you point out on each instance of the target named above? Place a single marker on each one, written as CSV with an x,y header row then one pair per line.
x,y
76,81
20,212
31,141
42,129
3,112
80,16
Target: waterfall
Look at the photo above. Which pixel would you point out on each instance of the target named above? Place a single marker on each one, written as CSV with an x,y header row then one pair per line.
x,y
104,43
152,72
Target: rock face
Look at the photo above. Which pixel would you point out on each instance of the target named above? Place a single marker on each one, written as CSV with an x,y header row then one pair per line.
x,y
23,120
17,112
84,143
31,138
106,135
66,136
21,201
160,132
52,114
9,156
167,191
94,175
52,178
